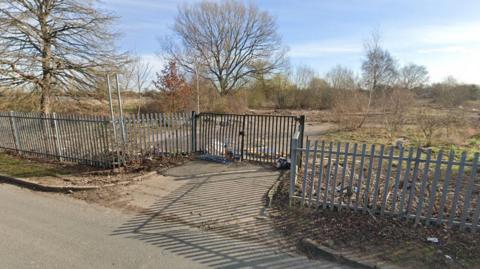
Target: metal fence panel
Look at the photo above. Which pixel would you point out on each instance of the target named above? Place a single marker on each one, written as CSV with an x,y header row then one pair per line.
x,y
261,138
106,142
413,183
94,140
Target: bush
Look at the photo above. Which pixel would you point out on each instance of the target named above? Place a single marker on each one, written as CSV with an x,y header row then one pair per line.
x,y
430,125
396,103
312,99
454,95
181,101
278,92
232,103
349,108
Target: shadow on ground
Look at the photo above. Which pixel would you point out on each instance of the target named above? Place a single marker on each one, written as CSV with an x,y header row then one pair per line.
x,y
218,220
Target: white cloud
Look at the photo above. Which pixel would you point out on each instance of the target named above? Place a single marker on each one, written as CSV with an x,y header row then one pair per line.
x,y
463,66
464,33
444,49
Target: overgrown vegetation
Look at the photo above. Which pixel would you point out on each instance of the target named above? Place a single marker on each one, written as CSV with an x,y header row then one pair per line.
x,y
232,74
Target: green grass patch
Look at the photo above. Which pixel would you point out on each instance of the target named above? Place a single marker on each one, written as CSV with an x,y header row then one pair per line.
x,y
18,167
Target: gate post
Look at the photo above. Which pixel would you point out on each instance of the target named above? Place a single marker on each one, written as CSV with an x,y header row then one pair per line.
x,y
293,167
242,133
301,130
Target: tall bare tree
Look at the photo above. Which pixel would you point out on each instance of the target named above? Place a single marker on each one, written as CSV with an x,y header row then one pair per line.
x,y
412,76
379,68
54,46
137,75
303,75
229,38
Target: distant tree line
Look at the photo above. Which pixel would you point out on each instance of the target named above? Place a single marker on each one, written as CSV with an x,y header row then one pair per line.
x,y
223,56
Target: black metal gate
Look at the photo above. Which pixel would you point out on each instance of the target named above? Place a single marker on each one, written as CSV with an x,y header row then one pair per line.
x,y
262,138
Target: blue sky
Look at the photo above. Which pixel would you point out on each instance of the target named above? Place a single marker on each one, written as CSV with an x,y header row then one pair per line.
x,y
442,35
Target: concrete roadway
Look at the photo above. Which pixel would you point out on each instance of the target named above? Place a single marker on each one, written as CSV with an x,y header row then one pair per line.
x,y
39,230
43,230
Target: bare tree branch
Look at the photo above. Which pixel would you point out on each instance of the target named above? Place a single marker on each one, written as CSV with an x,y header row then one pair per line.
x,y
341,78
54,46
412,76
379,68
229,39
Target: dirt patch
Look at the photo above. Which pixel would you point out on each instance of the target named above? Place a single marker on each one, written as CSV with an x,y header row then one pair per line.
x,y
135,197
146,184
54,173
384,239
133,188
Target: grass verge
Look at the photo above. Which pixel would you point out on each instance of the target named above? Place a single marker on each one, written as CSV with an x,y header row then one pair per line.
x,y
16,166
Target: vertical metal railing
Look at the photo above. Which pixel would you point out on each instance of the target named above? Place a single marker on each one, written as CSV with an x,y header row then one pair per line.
x,y
260,138
409,183
92,139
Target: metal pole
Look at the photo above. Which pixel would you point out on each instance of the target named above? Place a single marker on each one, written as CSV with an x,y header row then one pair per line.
x,y
300,142
112,117
301,129
57,137
197,84
120,107
293,169
198,89
110,101
242,134
14,131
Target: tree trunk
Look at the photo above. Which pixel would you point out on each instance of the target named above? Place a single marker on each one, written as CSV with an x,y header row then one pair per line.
x,y
46,81
365,115
223,86
372,90
45,98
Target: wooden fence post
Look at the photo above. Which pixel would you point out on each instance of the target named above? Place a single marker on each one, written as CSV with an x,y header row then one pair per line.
x,y
13,125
